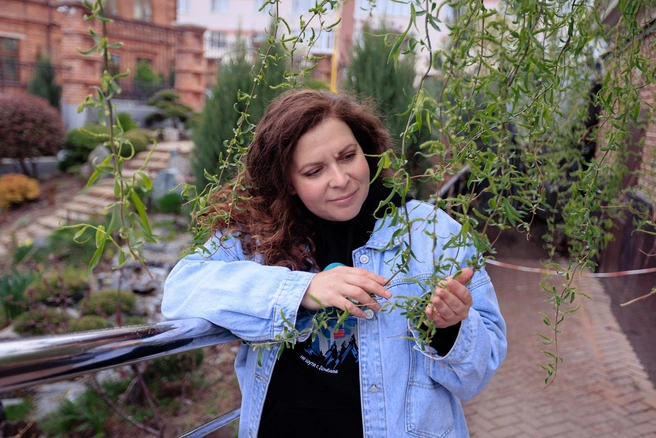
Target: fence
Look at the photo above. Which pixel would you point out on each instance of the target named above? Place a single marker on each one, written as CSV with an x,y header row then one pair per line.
x,y
27,362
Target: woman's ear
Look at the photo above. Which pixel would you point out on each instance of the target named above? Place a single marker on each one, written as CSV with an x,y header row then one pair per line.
x,y
292,190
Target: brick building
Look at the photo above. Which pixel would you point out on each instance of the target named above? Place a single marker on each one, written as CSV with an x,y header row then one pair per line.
x,y
147,28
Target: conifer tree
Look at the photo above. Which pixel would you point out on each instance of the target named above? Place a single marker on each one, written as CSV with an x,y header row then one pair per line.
x,y
43,82
221,112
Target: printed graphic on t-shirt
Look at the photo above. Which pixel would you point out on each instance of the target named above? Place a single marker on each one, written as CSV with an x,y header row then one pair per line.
x,y
332,350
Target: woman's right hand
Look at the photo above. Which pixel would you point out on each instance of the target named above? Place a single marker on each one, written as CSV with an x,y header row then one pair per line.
x,y
334,287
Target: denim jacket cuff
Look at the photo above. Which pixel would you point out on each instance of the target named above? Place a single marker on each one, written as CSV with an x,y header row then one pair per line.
x,y
287,307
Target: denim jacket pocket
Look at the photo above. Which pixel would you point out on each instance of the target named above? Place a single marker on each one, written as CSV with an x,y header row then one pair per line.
x,y
428,409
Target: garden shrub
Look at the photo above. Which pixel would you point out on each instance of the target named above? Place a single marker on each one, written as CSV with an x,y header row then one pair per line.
x,y
85,416
12,292
60,288
134,320
88,322
169,203
29,128
140,139
103,303
80,142
43,82
169,106
41,322
174,367
16,188
127,123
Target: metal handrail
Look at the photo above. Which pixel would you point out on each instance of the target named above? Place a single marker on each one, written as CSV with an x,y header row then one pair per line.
x,y
27,362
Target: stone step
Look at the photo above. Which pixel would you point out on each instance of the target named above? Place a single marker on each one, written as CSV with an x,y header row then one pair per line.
x,y
155,155
72,217
93,200
151,166
183,147
74,207
105,190
50,222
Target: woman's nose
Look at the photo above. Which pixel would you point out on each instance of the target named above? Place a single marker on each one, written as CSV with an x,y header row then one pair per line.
x,y
339,177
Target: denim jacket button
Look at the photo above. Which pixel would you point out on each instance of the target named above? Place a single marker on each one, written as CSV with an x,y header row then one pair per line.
x,y
368,313
373,388
364,258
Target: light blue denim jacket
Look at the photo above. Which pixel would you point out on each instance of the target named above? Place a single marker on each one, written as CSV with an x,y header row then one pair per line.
x,y
405,392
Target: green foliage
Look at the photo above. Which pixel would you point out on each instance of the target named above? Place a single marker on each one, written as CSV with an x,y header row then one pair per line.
x,y
29,128
134,320
43,321
87,414
80,142
19,411
88,322
211,152
169,106
316,84
12,292
139,138
63,247
105,302
59,288
146,79
174,367
43,82
371,75
126,121
169,203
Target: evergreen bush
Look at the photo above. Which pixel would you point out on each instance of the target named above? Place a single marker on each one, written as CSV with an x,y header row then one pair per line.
x,y
139,138
41,322
13,299
126,121
169,106
80,142
221,111
59,288
29,128
43,82
169,203
88,322
103,303
174,367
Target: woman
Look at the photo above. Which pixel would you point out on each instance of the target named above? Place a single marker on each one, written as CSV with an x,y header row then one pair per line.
x,y
306,205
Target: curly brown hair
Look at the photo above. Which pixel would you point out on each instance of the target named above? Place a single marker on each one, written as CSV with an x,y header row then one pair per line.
x,y
258,207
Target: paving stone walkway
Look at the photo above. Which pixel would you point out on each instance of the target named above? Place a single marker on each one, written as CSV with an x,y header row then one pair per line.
x,y
602,389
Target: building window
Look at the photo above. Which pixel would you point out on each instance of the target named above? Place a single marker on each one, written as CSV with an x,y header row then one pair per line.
x,y
9,60
142,10
114,64
215,40
219,5
182,5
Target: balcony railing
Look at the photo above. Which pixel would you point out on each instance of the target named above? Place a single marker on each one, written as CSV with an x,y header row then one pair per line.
x,y
28,362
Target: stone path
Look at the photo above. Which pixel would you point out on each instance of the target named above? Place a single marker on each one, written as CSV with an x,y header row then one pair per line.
x,y
92,201
602,389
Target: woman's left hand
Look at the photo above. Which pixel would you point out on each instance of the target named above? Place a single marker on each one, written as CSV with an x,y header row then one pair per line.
x,y
452,301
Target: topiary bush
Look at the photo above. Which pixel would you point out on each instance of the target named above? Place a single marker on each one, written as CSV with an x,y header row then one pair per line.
x,y
29,128
88,322
80,142
41,321
103,303
16,188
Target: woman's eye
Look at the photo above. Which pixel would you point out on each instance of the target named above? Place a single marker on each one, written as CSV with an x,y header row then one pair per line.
x,y
313,172
348,156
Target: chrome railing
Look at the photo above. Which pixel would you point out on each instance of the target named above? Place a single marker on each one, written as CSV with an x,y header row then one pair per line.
x,y
27,362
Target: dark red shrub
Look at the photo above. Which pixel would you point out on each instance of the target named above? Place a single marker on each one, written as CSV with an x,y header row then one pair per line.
x,y
29,127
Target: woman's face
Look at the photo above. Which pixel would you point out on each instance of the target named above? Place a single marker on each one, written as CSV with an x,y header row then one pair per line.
x,y
329,171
